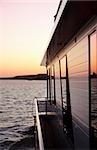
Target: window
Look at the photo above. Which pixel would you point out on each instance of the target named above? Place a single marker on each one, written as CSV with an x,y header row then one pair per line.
x,y
63,81
79,92
57,84
93,90
53,97
78,79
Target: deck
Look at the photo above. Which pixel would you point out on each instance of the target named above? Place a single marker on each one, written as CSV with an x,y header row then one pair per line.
x,y
50,117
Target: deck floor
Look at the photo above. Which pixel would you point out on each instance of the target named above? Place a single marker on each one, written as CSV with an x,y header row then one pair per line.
x,y
52,129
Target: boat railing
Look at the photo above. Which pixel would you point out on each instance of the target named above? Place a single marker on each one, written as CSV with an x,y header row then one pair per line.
x,y
39,131
41,107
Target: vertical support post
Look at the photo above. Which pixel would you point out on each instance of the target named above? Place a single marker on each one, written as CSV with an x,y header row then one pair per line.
x,y
47,91
54,85
39,131
35,133
50,85
69,114
67,87
61,83
89,73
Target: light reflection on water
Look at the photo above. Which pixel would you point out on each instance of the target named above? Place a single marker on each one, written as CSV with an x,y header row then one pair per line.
x,y
16,99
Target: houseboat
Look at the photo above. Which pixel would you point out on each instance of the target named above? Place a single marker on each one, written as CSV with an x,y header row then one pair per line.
x,y
67,118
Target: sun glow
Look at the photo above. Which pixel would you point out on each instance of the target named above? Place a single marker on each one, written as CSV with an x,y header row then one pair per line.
x,y
25,27
93,47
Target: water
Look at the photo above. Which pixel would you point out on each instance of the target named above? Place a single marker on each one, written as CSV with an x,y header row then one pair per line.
x,y
16,117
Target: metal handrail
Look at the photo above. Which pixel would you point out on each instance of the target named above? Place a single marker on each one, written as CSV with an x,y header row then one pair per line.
x,y
40,138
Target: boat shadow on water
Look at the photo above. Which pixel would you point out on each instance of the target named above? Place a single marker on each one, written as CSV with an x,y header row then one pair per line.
x,y
26,143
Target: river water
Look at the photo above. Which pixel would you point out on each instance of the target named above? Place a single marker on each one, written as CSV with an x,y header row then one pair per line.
x,y
16,117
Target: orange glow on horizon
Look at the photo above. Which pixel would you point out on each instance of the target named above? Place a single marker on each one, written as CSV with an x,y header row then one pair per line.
x,y
25,26
14,72
93,53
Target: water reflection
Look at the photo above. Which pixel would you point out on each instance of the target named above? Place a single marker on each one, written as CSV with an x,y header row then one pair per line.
x,y
94,110
57,84
93,83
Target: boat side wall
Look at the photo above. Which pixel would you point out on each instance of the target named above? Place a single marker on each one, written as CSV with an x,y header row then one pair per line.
x,y
77,53
79,92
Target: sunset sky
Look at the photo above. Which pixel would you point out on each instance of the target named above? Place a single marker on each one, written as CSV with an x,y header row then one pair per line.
x,y
25,27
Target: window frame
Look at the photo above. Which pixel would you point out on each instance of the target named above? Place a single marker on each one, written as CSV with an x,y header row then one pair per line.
x,y
89,60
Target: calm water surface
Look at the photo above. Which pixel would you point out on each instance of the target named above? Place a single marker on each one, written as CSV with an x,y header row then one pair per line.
x,y
16,117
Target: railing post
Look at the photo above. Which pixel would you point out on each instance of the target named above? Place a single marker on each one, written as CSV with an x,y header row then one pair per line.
x,y
35,133
46,105
40,139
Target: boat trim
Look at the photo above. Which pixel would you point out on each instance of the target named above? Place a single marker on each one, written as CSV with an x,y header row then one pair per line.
x,y
40,138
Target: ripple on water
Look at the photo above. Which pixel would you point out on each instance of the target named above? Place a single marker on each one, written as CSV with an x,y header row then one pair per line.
x,y
23,144
22,139
16,119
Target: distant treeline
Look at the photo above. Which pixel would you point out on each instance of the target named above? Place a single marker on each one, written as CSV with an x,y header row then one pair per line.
x,y
37,77
27,77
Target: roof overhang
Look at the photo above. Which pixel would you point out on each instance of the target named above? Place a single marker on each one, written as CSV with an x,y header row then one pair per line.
x,y
72,16
57,18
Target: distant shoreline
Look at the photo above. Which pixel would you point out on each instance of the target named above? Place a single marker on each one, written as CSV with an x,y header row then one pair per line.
x,y
34,77
26,77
